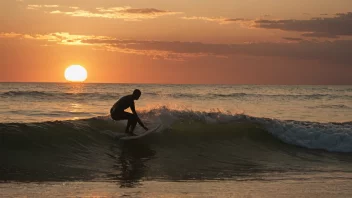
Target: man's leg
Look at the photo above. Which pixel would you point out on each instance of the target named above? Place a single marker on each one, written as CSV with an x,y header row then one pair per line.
x,y
122,116
128,126
133,122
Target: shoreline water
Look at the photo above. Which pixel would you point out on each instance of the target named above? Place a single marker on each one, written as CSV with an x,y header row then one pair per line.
x,y
313,187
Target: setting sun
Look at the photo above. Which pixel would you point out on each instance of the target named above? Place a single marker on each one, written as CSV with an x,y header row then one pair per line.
x,y
76,73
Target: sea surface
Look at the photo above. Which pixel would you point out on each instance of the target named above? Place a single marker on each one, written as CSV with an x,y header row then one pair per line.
x,y
57,139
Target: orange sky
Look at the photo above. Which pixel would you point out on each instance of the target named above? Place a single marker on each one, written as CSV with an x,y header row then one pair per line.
x,y
158,41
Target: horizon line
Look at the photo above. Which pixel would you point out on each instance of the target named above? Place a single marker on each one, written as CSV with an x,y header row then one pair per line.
x,y
264,84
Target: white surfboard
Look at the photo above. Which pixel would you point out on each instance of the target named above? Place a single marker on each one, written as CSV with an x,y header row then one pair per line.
x,y
140,135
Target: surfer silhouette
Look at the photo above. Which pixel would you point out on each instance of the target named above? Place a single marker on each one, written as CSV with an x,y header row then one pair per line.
x,y
118,112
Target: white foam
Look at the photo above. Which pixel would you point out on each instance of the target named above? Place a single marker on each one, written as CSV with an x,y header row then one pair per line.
x,y
327,136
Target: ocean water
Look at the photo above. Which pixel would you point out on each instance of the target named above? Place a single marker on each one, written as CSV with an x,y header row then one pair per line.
x,y
214,141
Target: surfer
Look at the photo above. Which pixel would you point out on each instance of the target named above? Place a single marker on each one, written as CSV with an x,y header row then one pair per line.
x,y
118,112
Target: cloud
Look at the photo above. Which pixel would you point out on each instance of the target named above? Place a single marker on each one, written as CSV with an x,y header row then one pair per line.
x,y
320,35
318,27
9,35
144,11
37,7
340,25
58,37
220,20
292,39
337,52
126,13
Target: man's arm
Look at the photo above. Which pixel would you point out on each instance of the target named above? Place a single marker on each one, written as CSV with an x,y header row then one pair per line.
x,y
135,113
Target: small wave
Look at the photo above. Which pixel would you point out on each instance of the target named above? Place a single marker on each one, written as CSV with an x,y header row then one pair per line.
x,y
25,93
56,95
339,106
289,96
242,95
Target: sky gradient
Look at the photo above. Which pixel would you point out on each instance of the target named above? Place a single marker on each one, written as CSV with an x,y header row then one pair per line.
x,y
158,41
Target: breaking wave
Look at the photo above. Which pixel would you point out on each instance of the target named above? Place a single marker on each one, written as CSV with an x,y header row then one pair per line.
x,y
83,149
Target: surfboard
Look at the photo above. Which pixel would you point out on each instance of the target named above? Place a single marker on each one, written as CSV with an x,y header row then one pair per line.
x,y
140,135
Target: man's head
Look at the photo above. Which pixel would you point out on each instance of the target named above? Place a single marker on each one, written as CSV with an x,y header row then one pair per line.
x,y
136,94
